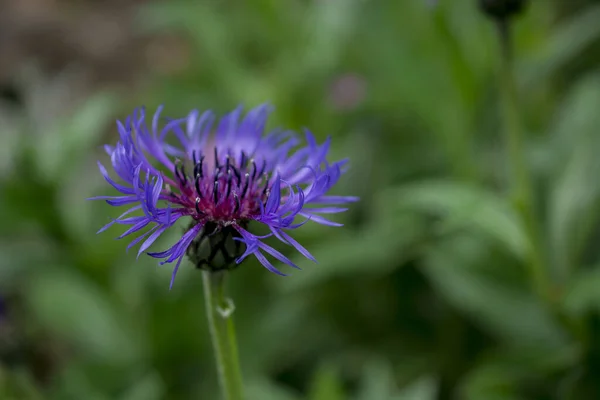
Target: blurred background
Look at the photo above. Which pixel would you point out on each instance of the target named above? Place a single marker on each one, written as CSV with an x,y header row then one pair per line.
x,y
437,287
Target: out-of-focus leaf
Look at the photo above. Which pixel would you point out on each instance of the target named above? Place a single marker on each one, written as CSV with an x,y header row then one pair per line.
x,y
284,316
566,43
262,389
62,146
377,382
17,385
76,212
374,250
423,389
10,140
464,206
574,201
210,33
77,310
76,385
328,25
149,387
574,121
582,294
326,384
507,312
500,373
17,257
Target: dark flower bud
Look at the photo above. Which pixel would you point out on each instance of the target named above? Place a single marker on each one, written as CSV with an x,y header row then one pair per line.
x,y
215,248
501,9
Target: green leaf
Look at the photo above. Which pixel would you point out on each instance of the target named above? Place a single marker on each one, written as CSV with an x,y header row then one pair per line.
x,y
11,141
18,384
211,34
328,26
75,383
378,381
17,257
66,144
574,203
564,45
284,318
499,374
326,384
582,294
454,269
375,250
263,389
463,206
73,307
423,389
149,387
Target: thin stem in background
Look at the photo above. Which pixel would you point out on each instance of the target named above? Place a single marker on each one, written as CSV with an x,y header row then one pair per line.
x,y
222,333
522,191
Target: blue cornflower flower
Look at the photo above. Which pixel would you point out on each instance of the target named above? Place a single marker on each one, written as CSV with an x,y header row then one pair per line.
x,y
222,177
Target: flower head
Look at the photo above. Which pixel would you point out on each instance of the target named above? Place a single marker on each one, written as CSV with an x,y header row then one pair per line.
x,y
220,176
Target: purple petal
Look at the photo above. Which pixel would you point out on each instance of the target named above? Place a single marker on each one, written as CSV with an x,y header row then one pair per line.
x,y
156,118
326,210
251,248
297,246
334,199
140,238
121,201
111,223
274,196
174,274
120,188
182,246
151,239
320,220
157,189
263,260
135,228
277,254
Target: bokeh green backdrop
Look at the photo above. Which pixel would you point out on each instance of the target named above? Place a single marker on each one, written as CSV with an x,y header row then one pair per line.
x,y
426,292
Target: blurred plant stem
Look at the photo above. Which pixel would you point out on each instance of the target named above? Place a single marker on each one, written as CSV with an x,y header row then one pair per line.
x,y
460,70
222,333
522,190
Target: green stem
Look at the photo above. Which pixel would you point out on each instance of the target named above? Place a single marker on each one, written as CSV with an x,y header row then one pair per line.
x,y
522,192
222,333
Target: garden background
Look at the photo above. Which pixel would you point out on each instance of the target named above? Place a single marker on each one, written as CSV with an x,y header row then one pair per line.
x,y
443,284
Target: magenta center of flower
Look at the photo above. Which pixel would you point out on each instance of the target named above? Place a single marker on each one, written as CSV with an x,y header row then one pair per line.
x,y
226,191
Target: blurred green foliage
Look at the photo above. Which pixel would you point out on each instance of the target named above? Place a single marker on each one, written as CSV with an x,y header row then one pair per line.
x,y
426,293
